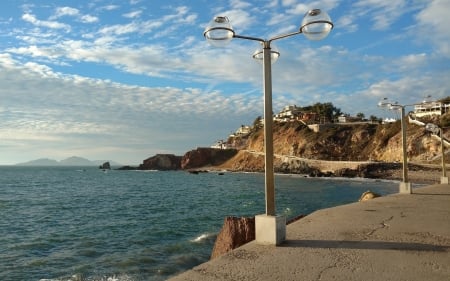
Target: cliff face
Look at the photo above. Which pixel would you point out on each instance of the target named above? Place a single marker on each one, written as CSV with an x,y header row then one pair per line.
x,y
296,147
202,157
162,162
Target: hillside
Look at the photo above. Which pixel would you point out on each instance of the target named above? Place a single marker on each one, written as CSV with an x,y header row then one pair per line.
x,y
297,148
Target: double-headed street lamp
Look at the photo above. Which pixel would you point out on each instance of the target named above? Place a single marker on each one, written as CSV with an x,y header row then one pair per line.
x,y
405,185
316,25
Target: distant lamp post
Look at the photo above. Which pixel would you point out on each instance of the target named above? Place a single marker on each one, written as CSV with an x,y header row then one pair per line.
x,y
405,185
316,25
436,130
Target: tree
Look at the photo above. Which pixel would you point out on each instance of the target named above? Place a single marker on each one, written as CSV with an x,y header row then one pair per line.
x,y
373,118
327,110
360,115
257,122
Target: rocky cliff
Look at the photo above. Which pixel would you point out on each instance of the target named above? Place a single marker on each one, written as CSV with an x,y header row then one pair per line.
x,y
350,150
362,150
161,162
202,157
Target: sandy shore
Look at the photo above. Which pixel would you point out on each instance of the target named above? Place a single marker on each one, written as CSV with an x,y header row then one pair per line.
x,y
428,176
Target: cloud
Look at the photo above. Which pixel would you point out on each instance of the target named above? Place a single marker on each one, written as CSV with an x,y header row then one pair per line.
x,y
433,22
383,13
133,14
73,12
80,113
88,19
65,11
42,23
110,7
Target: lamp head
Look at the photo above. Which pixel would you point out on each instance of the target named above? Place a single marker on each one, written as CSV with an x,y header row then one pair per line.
x,y
219,31
385,103
316,24
274,54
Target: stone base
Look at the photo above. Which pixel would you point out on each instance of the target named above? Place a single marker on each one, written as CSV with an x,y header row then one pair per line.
x,y
405,188
444,180
270,230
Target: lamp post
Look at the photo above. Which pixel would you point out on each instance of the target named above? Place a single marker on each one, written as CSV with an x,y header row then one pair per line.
x,y
435,130
316,24
444,178
405,185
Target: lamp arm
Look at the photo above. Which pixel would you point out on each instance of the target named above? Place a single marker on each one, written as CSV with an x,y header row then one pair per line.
x,y
284,36
249,38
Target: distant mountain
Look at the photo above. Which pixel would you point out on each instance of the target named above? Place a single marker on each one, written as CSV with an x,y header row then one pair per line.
x,y
40,162
76,161
71,161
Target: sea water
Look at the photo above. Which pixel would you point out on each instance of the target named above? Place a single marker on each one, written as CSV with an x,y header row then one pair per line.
x,y
66,223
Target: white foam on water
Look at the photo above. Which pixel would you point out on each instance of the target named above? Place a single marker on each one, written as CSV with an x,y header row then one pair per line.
x,y
202,237
78,277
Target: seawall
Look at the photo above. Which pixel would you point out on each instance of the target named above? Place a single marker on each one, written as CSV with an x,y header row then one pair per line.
x,y
396,237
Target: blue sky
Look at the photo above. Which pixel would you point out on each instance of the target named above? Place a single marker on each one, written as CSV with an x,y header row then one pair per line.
x,y
124,80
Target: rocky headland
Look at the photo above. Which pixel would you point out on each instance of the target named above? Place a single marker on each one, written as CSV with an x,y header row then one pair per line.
x,y
368,150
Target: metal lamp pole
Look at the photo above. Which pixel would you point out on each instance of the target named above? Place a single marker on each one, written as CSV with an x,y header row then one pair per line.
x,y
405,185
444,178
315,25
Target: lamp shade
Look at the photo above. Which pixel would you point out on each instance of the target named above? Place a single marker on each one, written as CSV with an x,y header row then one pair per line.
x,y
316,24
219,31
274,54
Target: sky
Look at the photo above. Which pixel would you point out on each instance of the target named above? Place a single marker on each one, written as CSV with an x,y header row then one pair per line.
x,y
124,80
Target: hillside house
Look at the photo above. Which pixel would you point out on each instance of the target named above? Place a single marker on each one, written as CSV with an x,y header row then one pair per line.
x,y
431,108
220,144
293,113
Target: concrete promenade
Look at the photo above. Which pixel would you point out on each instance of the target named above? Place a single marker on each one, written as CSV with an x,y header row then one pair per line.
x,y
397,237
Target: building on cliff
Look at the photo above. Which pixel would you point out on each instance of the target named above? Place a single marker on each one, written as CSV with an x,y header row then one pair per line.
x,y
220,144
431,108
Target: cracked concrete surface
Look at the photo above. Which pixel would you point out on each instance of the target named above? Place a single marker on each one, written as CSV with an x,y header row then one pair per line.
x,y
397,237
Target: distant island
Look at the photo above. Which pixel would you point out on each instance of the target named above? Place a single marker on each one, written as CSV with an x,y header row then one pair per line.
x,y
71,161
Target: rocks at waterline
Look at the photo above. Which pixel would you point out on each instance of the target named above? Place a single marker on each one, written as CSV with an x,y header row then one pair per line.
x,y
235,232
105,166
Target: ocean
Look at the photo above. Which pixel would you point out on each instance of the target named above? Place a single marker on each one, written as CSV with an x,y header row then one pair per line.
x,y
81,223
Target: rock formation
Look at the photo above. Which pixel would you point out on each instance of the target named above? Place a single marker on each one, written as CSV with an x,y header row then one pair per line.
x,y
203,157
235,232
162,162
105,166
368,195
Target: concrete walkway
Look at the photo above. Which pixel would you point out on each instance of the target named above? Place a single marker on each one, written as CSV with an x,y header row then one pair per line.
x,y
397,237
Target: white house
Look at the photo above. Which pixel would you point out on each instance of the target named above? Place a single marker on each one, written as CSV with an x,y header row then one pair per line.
x,y
431,108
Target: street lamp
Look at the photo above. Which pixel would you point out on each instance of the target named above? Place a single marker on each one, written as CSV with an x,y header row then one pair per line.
x,y
436,130
316,24
405,185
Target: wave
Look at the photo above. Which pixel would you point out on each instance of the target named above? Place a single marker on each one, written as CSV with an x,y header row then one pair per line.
x,y
202,237
79,277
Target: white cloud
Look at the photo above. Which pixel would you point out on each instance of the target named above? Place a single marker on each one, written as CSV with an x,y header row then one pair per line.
x,y
133,14
79,112
49,24
65,11
120,29
239,4
433,22
109,7
382,12
88,19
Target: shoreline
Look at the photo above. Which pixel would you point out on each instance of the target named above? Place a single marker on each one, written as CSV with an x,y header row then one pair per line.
x,y
417,174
